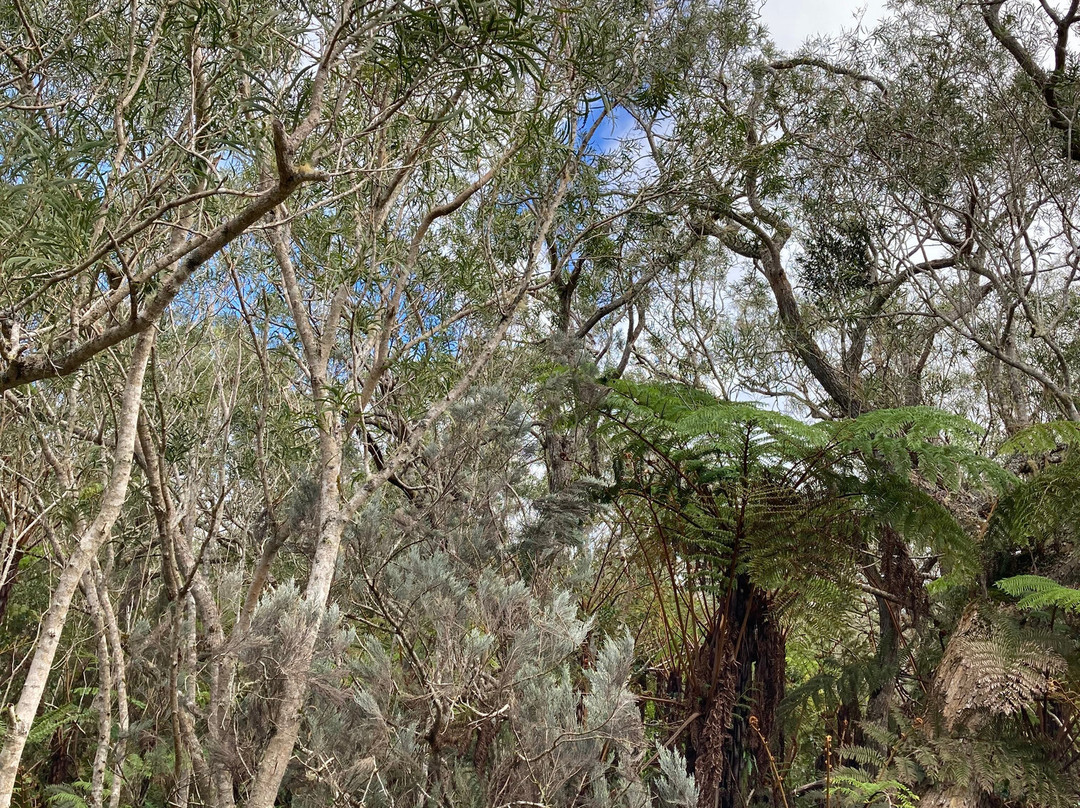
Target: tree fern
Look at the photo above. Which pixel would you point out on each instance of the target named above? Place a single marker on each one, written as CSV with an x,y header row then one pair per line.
x,y
728,492
940,446
64,796
853,787
793,479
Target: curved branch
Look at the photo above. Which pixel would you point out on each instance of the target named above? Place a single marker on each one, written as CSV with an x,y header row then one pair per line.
x,y
187,258
828,67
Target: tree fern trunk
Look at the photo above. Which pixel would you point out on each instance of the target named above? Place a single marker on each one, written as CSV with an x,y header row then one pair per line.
x,y
740,674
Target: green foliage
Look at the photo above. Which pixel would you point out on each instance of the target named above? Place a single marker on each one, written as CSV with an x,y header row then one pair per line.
x,y
940,446
52,720
1036,592
788,479
1038,512
586,216
75,796
837,259
1045,437
854,788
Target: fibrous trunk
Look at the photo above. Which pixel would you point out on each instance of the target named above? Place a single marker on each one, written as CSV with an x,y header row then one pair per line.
x,y
741,676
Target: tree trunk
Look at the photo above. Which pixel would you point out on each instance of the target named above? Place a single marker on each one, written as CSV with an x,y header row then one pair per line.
x,y
52,623
741,672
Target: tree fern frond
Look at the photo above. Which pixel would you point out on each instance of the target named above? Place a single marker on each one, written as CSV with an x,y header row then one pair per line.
x,y
857,788
1037,592
726,417
668,402
45,726
62,796
924,522
1039,509
943,447
1040,438
917,424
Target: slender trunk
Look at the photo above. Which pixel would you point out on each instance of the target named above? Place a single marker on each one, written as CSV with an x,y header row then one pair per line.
x,y
275,756
12,544
197,770
103,699
278,751
52,623
185,668
334,514
119,679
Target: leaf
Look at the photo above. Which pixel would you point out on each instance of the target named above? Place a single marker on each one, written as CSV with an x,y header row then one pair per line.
x,y
1041,438
1037,592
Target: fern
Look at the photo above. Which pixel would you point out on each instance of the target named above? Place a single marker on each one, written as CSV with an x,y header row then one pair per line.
x,y
938,445
1038,510
925,523
913,426
666,401
855,788
47,725
61,796
786,480
1041,438
727,489
1037,592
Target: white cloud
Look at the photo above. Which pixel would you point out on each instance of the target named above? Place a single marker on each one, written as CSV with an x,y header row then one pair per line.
x,y
791,22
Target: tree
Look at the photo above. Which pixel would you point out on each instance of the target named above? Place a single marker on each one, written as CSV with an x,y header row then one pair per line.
x,y
747,521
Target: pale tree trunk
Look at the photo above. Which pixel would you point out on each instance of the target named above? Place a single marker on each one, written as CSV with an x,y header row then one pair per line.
x,y
334,513
111,674
103,699
279,748
187,663
52,623
211,771
334,516
119,679
110,664
182,679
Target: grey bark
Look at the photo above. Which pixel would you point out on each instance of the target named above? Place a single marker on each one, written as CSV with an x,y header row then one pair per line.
x,y
52,623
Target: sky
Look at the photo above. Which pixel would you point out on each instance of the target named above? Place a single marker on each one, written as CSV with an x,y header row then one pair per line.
x,y
793,21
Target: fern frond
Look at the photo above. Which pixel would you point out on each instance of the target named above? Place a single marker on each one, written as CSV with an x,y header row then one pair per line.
x,y
943,447
62,796
45,726
1041,509
726,417
916,424
668,402
923,522
1037,592
1040,438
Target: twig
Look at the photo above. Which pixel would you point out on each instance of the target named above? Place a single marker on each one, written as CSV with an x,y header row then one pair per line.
x,y
778,781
